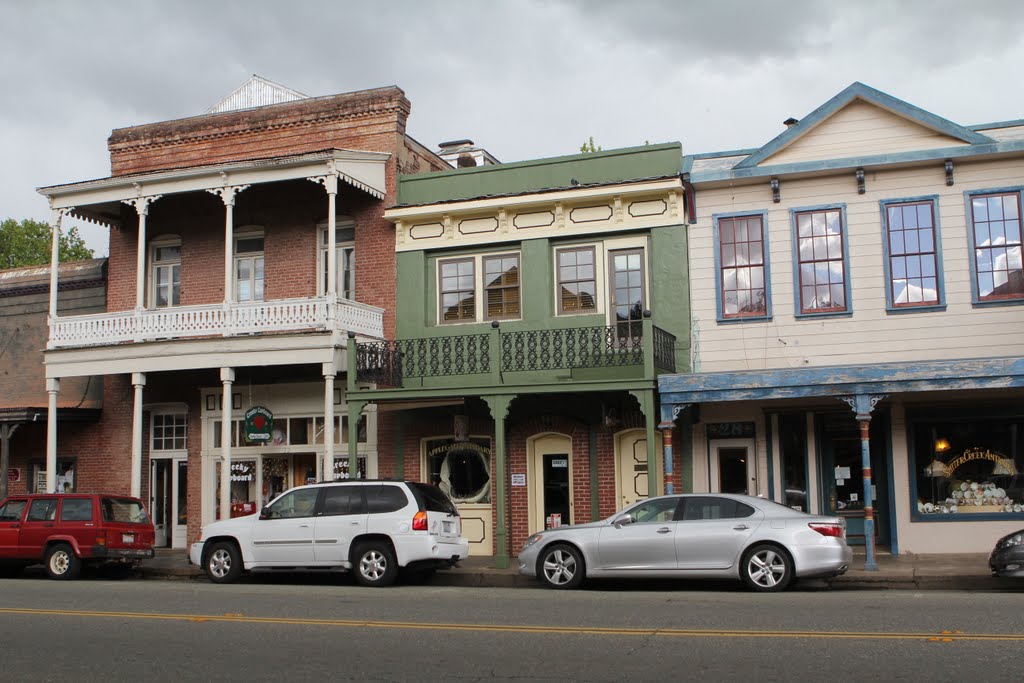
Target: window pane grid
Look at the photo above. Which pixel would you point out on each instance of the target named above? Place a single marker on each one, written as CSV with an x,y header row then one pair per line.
x,y
741,258
501,285
458,291
168,433
913,264
577,281
822,271
997,246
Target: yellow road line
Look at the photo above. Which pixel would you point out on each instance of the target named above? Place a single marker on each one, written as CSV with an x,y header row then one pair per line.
x,y
941,636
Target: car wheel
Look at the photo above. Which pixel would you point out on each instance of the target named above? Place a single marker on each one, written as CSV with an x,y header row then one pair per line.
x,y
375,564
561,566
62,563
223,562
767,568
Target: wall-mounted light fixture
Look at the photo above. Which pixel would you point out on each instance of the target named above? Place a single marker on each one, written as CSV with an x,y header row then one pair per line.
x,y
774,183
859,175
949,171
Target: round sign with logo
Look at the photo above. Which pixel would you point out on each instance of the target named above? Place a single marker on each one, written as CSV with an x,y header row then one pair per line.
x,y
259,424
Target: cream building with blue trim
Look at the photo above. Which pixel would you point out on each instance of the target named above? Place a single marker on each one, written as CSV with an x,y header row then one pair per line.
x,y
867,258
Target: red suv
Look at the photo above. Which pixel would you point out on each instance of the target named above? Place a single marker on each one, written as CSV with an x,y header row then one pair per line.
x,y
63,531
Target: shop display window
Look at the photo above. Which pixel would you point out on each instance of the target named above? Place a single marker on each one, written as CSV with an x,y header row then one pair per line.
x,y
462,469
968,467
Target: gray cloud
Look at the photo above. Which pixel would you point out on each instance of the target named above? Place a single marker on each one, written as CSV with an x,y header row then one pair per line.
x,y
524,78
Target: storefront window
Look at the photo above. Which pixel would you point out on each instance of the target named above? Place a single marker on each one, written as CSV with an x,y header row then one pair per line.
x,y
462,469
65,477
243,487
969,467
793,444
341,467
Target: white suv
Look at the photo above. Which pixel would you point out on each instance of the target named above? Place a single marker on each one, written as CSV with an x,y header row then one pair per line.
x,y
371,528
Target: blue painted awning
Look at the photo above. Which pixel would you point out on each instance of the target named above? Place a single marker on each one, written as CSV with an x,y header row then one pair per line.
x,y
841,380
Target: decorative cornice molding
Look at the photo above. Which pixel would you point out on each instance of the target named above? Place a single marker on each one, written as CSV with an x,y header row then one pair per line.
x,y
141,204
227,193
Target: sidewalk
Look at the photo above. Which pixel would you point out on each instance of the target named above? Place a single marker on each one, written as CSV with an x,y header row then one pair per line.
x,y
907,572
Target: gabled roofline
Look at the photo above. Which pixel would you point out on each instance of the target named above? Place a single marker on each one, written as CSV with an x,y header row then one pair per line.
x,y
858,90
997,124
690,158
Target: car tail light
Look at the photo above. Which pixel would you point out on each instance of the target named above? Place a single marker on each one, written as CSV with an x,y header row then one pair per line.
x,y
824,529
101,537
419,521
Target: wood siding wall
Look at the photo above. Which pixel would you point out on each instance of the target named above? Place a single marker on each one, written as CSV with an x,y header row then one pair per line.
x,y
870,334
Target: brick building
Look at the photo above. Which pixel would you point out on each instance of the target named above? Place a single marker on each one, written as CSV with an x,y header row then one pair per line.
x,y
246,245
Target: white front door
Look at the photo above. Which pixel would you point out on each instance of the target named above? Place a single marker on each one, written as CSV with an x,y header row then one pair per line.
x,y
159,499
631,461
550,482
733,467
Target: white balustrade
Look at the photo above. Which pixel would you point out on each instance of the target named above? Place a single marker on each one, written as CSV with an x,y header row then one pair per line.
x,y
214,320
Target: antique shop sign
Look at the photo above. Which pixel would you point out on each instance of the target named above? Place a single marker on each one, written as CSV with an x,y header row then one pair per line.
x,y
259,424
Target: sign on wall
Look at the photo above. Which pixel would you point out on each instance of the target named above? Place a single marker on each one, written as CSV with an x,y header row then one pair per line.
x,y
14,475
259,424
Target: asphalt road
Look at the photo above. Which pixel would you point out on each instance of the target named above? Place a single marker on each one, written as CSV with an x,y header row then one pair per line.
x,y
315,628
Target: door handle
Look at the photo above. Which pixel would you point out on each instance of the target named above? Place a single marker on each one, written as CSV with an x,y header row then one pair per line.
x,y
741,527
303,526
664,530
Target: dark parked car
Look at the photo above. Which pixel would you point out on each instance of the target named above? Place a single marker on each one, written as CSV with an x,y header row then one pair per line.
x,y
66,530
1007,558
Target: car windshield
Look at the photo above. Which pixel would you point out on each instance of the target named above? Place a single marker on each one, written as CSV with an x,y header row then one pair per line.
x,y
123,510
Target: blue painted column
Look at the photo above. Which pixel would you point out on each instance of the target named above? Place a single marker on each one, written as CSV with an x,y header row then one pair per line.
x,y
669,413
862,405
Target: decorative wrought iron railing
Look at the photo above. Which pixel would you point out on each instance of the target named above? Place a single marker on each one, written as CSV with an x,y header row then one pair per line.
x,y
391,363
664,350
574,347
283,315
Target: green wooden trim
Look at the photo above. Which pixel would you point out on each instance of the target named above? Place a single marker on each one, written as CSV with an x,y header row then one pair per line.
x,y
499,412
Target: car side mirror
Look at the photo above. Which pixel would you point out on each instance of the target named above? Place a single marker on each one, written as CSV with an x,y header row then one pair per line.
x,y
623,520
265,513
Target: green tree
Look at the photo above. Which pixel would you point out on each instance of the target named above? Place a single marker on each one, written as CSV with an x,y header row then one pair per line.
x,y
27,243
590,146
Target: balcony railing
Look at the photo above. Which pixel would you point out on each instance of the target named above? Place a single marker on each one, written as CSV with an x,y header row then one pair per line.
x,y
216,320
391,363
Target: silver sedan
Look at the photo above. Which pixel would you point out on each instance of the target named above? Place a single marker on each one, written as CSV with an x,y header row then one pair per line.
x,y
701,535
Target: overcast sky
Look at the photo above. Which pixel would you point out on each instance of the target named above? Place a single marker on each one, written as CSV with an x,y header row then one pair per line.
x,y
522,78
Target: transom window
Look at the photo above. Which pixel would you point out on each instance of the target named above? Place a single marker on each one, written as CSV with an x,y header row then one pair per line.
x,y
822,270
345,262
501,286
742,267
913,267
168,432
249,268
165,274
577,280
997,246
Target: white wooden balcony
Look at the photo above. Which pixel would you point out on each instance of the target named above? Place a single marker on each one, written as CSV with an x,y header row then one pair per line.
x,y
310,314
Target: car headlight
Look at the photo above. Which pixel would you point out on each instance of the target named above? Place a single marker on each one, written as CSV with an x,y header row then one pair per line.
x,y
531,540
1009,541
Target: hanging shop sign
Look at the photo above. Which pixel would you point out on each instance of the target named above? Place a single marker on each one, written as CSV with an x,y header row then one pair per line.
x,y
259,424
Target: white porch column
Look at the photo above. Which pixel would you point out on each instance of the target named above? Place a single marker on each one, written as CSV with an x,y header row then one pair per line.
x,y
138,382
327,469
52,387
330,183
56,219
141,205
227,195
227,378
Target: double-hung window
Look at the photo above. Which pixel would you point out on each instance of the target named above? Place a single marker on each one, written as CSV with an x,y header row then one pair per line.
x,y
823,283
498,291
577,280
996,240
345,261
249,267
165,278
911,247
742,268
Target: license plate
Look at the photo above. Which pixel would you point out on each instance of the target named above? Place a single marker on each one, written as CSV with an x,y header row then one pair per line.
x,y
446,527
128,538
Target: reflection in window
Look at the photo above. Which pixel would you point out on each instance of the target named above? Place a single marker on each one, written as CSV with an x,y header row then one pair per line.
x,y
627,274
822,273
741,255
577,281
458,295
913,268
249,268
501,285
997,246
166,269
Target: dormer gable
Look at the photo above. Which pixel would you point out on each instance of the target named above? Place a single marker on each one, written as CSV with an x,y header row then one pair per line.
x,y
862,122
